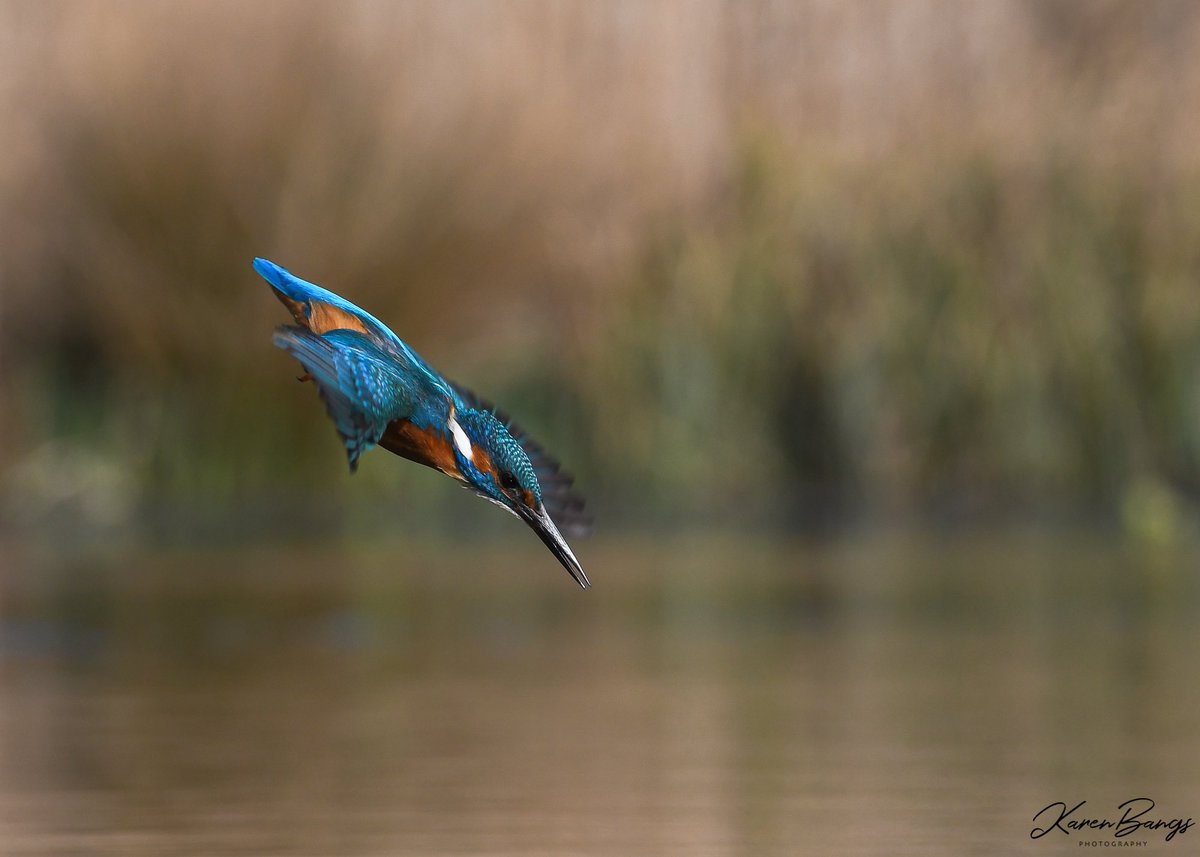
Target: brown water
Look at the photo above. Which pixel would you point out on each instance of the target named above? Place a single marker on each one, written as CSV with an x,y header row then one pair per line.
x,y
891,698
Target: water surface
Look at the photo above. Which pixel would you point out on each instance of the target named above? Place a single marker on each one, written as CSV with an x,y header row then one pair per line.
x,y
893,696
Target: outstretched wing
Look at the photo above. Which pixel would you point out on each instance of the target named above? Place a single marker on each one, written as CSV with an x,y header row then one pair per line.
x,y
321,311
363,389
566,507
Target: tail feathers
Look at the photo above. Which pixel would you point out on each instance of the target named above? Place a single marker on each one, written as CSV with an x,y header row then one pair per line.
x,y
320,309
319,358
291,286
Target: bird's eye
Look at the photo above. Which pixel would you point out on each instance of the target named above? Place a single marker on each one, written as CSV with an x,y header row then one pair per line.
x,y
507,481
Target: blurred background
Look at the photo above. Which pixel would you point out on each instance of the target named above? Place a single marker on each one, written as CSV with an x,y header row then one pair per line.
x,y
870,330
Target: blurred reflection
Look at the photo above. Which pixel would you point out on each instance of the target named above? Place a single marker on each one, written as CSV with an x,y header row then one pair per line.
x,y
419,713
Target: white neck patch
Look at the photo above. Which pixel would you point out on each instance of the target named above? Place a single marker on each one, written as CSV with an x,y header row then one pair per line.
x,y
460,438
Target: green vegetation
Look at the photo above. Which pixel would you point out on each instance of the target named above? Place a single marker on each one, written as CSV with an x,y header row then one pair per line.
x,y
965,321
1006,338
1004,334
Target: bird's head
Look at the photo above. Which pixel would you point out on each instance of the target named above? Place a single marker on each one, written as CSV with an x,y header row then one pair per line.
x,y
495,466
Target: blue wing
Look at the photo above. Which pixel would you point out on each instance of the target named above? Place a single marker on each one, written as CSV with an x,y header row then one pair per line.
x,y
363,388
321,311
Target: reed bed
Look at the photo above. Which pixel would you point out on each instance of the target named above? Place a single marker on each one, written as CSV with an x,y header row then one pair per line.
x,y
753,260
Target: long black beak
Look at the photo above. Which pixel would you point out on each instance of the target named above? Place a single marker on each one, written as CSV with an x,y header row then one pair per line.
x,y
540,522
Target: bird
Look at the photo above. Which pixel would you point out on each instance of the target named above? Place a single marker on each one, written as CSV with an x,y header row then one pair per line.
x,y
379,392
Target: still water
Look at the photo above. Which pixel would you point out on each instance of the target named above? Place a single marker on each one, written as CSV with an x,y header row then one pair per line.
x,y
888,696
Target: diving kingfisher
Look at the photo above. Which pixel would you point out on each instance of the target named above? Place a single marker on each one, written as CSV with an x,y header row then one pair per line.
x,y
378,391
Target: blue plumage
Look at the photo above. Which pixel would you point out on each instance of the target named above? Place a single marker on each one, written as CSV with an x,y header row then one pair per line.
x,y
378,391
361,388
288,285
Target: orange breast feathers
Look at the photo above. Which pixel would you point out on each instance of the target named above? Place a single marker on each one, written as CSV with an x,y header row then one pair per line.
x,y
433,449
424,446
320,317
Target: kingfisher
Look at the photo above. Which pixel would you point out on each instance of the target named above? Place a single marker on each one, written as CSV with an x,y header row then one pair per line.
x,y
380,392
